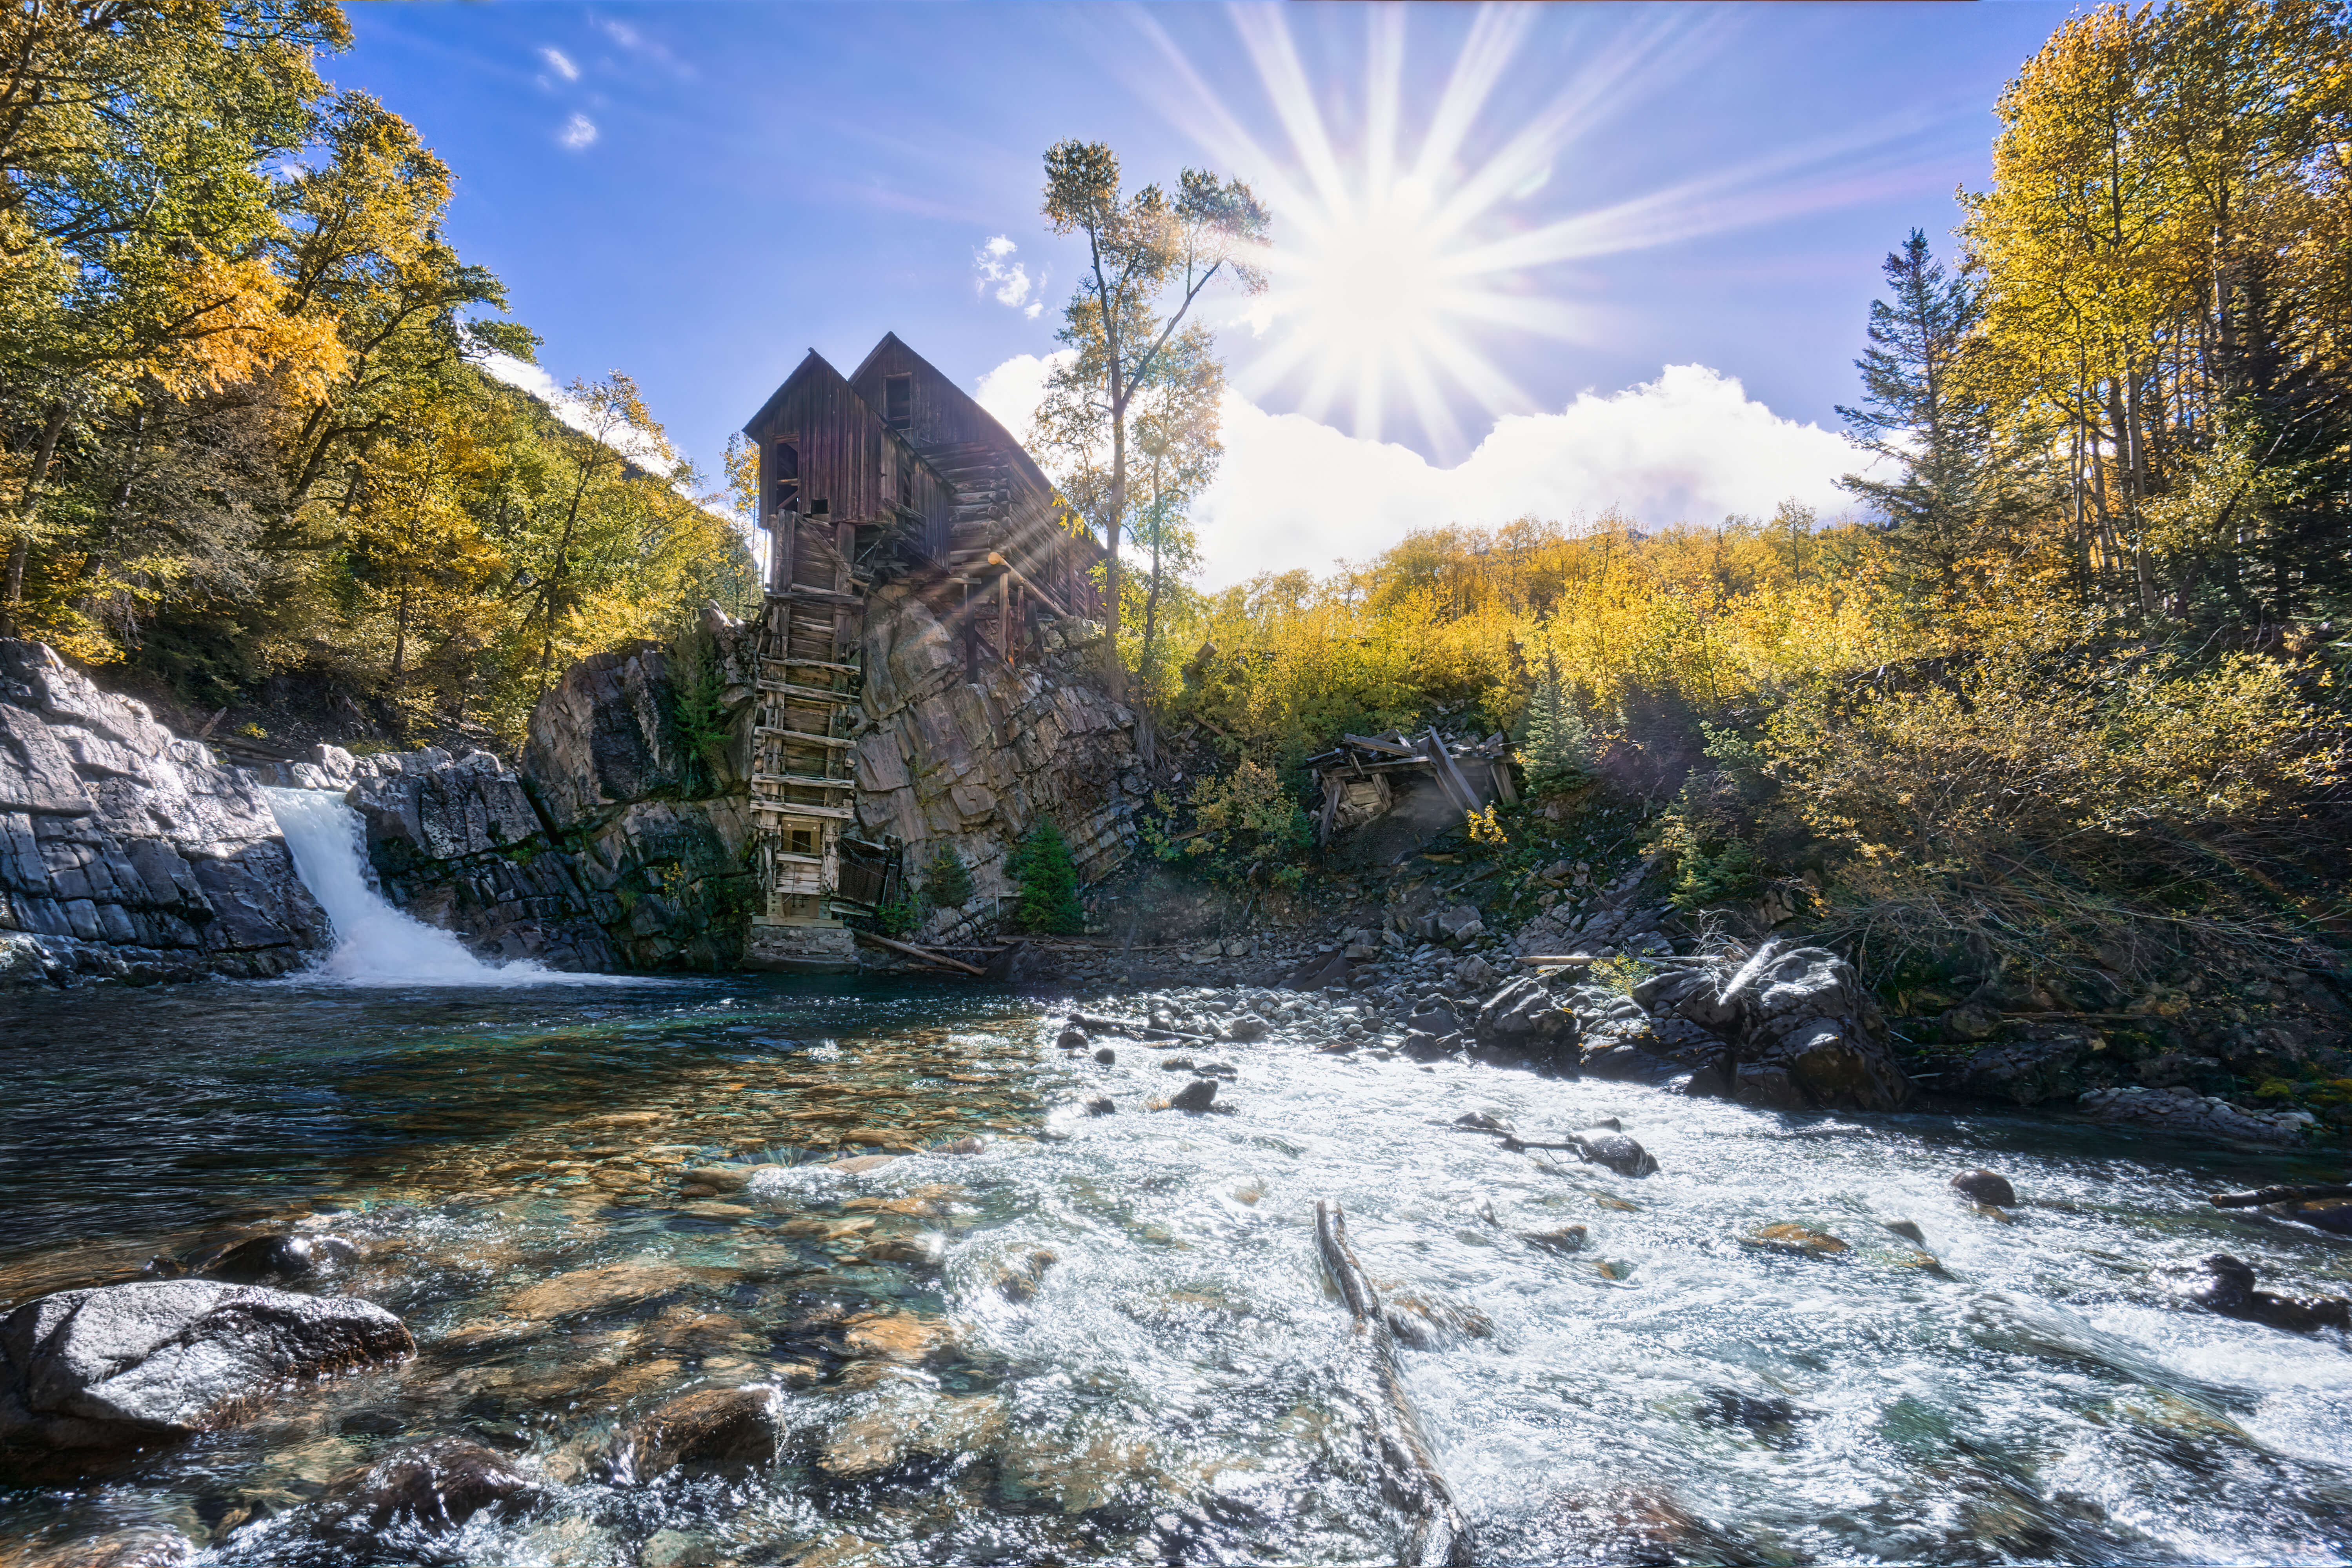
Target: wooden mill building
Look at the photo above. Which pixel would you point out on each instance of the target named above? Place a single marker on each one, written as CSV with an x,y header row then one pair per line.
x,y
890,474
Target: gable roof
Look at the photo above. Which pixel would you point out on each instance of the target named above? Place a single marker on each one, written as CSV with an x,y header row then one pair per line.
x,y
816,364
966,404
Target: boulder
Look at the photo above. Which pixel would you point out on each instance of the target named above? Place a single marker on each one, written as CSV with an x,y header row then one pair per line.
x,y
1247,1028
2220,1283
1986,1187
708,1429
1807,1028
1524,1017
1197,1094
432,1486
162,1358
1461,925
1619,1152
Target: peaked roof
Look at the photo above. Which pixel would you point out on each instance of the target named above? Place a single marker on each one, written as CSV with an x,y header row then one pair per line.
x,y
965,400
816,364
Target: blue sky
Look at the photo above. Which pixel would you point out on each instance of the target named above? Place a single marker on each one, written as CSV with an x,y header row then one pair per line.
x,y
1566,202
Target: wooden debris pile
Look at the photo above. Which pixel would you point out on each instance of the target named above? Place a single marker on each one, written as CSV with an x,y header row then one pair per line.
x,y
1359,777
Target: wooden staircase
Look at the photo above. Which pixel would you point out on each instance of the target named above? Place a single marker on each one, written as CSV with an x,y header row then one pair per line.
x,y
804,790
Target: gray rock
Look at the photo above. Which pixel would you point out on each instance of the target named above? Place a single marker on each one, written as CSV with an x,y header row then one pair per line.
x,y
2028,1072
127,853
708,1429
1524,1016
1805,1020
1986,1187
280,1259
128,1363
1461,924
1197,1094
1248,1027
2184,1110
432,1487
2223,1284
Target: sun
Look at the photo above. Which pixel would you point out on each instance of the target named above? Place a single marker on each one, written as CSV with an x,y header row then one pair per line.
x,y
1420,244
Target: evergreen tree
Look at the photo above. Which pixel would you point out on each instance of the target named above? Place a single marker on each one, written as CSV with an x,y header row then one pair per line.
x,y
1555,747
1048,876
1951,498
947,881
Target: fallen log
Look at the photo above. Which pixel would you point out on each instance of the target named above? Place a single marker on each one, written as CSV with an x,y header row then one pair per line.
x,y
909,950
1409,1475
2262,1196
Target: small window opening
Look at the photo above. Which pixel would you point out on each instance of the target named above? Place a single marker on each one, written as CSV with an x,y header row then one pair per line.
x,y
804,841
899,401
786,477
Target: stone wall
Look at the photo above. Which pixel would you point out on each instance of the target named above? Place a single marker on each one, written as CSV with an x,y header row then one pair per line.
x,y
972,765
128,853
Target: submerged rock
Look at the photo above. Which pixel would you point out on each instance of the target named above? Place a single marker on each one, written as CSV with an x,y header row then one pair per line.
x,y
711,1428
1985,1187
142,1546
2223,1284
162,1358
1797,1240
1619,1152
1018,1280
1566,1238
432,1486
269,1258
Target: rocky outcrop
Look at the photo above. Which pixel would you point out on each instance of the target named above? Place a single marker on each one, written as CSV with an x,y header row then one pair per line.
x,y
159,1359
972,765
2186,1111
127,853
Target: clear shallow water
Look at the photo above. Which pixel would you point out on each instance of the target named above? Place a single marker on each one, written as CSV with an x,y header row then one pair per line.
x,y
1172,1389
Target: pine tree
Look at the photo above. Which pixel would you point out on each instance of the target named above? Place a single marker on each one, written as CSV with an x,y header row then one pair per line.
x,y
1048,876
1555,749
1951,498
947,881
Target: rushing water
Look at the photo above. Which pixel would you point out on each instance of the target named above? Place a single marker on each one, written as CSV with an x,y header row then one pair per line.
x,y
376,944
509,1157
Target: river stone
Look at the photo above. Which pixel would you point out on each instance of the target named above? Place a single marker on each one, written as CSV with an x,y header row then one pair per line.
x,y
711,1428
2181,1109
434,1486
1072,1040
142,1546
1798,1240
1247,1028
1566,1238
596,1290
1986,1187
2223,1284
1018,1280
279,1258
1197,1094
162,1358
1619,1152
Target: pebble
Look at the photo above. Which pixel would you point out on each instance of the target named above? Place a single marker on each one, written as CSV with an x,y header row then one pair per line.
x,y
1986,1187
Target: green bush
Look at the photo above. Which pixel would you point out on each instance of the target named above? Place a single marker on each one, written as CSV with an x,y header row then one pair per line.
x,y
1048,876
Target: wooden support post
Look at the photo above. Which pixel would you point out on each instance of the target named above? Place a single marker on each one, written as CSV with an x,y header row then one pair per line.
x,y
1331,786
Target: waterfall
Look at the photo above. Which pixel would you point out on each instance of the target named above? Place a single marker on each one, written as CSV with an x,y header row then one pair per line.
x,y
376,944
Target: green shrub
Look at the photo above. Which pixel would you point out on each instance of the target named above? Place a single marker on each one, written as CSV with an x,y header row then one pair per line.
x,y
1048,878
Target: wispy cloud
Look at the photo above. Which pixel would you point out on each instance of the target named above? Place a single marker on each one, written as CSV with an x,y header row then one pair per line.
x,y
1006,279
560,63
643,47
578,133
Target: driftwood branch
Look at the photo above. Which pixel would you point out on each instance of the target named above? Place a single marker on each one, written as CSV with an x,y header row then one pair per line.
x,y
925,955
1409,1474
2262,1196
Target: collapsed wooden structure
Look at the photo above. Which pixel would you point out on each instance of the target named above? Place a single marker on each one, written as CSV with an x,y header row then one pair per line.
x,y
892,473
1356,776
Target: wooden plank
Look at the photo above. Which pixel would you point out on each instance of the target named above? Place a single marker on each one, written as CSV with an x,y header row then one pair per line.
x,y
801,735
812,664
808,693
1384,747
801,781
1455,782
795,808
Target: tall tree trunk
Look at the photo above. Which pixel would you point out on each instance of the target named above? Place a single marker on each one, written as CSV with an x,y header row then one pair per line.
x,y
20,547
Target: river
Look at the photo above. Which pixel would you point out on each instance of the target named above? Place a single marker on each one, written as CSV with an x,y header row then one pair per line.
x,y
1169,1386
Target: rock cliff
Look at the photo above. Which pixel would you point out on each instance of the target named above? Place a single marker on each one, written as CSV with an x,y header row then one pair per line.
x,y
128,853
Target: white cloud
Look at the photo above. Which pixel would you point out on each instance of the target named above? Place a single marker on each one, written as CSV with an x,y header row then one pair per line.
x,y
1689,446
560,63
522,374
1009,280
578,133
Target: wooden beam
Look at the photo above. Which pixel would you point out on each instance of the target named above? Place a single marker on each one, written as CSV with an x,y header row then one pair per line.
x,y
1385,747
909,950
801,735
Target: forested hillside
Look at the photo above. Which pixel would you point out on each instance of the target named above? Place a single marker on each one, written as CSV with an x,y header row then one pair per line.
x,y
2069,686
251,460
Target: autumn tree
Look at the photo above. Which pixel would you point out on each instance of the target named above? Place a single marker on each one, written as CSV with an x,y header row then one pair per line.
x,y
1150,259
